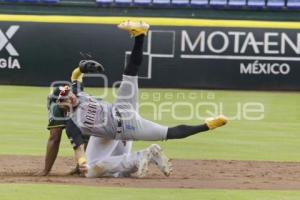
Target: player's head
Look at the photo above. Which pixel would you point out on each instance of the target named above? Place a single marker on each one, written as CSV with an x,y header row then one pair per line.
x,y
54,94
66,99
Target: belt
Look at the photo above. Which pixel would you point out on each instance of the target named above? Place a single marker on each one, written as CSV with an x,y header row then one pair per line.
x,y
118,117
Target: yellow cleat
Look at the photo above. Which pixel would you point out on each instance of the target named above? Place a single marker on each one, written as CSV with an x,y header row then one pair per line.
x,y
216,122
134,28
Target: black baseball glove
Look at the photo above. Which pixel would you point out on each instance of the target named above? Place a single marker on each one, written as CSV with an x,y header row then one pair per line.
x,y
90,66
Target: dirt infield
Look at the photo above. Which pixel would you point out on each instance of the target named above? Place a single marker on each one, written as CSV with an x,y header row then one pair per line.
x,y
187,174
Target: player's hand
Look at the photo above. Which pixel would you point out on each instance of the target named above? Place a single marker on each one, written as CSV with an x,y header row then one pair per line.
x,y
90,66
83,166
74,171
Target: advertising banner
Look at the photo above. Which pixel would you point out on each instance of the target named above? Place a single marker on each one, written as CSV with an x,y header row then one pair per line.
x,y
213,54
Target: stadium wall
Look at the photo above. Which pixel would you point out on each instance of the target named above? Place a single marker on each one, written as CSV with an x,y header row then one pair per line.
x,y
181,53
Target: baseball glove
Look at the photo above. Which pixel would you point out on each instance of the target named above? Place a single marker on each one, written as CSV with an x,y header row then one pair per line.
x,y
90,66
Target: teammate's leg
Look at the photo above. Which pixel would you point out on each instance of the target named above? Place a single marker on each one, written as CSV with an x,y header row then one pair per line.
x,y
98,149
126,163
123,147
134,162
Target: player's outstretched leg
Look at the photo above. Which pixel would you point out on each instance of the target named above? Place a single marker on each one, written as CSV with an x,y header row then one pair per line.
x,y
138,30
183,131
127,98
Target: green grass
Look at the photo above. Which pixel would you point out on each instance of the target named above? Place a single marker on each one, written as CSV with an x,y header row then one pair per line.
x,y
23,118
64,192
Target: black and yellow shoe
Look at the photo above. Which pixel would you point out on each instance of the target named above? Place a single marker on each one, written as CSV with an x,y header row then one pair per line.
x,y
134,28
216,122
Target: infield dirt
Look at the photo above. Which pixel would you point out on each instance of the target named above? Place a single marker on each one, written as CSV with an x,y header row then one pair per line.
x,y
216,174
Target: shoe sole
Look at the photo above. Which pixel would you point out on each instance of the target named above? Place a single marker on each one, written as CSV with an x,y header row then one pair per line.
x,y
134,26
221,118
143,165
166,167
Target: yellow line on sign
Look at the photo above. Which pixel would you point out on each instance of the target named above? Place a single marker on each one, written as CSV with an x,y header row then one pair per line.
x,y
181,22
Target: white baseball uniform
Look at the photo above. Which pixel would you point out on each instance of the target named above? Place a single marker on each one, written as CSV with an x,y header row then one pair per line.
x,y
106,150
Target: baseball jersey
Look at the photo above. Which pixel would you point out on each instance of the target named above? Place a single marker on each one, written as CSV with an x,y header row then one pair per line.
x,y
102,119
94,117
56,117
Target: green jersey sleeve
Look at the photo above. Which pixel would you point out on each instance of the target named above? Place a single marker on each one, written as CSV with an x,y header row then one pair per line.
x,y
56,117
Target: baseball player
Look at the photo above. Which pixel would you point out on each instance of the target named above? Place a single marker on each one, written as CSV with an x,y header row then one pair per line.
x,y
57,120
121,121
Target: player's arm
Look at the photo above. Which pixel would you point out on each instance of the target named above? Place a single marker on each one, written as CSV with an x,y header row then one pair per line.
x,y
80,158
57,122
75,136
52,150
